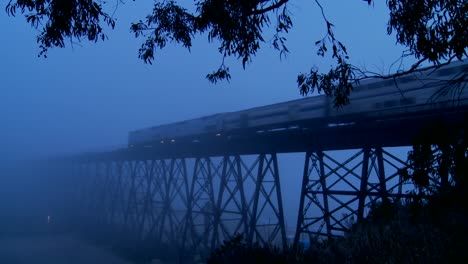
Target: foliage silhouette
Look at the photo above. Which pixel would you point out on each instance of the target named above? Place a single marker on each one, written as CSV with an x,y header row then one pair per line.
x,y
433,31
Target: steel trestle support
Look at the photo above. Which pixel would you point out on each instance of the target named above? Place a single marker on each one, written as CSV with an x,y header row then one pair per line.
x,y
335,194
157,201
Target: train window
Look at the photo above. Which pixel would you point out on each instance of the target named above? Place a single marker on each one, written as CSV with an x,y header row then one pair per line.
x,y
269,114
362,87
340,124
385,83
393,103
311,108
447,71
406,79
457,69
277,129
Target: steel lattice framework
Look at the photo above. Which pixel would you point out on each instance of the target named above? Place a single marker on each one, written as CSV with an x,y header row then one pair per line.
x,y
163,202
341,191
197,203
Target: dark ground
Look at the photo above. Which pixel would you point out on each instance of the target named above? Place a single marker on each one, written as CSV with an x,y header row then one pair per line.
x,y
54,249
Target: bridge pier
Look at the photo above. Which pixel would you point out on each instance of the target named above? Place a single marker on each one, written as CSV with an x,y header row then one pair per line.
x,y
267,195
200,207
335,193
230,212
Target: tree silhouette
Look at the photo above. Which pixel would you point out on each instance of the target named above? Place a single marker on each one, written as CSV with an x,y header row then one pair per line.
x,y
434,31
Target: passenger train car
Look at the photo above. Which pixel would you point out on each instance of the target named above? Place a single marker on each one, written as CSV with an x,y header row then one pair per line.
x,y
419,91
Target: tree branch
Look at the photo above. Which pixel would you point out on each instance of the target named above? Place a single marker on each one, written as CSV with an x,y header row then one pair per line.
x,y
272,7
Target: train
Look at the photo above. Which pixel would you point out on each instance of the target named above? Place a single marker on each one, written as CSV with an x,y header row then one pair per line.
x,y
422,90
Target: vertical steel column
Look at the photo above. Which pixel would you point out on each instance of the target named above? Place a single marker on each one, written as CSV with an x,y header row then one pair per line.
x,y
258,185
267,167
179,200
164,212
93,214
136,211
157,201
104,190
240,184
110,186
232,183
381,174
325,193
279,198
302,211
130,199
364,183
147,197
116,202
172,220
200,206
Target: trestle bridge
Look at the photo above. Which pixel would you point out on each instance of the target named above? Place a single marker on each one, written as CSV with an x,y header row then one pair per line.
x,y
195,183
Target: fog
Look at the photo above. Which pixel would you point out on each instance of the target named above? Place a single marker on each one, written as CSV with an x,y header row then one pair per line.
x,y
87,97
